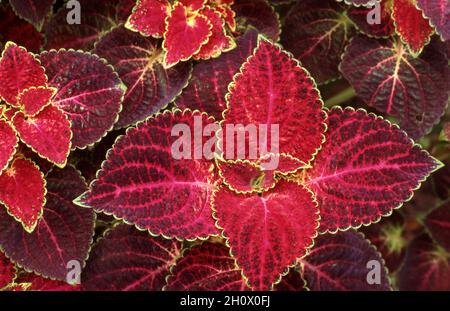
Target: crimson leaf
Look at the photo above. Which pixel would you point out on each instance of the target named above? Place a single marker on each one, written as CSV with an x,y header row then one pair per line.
x,y
438,11
438,224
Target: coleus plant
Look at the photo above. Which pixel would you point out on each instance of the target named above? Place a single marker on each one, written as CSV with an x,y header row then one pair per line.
x,y
313,222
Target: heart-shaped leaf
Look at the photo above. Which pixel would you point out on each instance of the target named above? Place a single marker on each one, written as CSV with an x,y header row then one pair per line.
x,y
438,11
426,267
138,61
97,18
342,262
411,26
89,92
32,100
126,259
210,79
259,14
206,267
321,39
147,183
48,133
22,191
38,283
8,143
366,168
388,78
7,271
19,70
219,41
438,224
149,17
33,11
63,234
267,232
282,95
185,34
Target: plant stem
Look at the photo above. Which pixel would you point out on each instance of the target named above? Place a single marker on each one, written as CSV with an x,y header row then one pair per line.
x,y
340,98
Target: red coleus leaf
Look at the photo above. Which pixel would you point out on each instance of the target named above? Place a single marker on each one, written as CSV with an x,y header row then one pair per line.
x,y
35,282
385,27
267,232
388,78
343,262
144,184
410,24
28,36
8,143
389,236
210,79
126,259
34,99
321,39
138,61
219,41
438,224
438,11
259,14
426,267
206,267
89,92
282,94
97,18
245,176
19,70
366,168
22,191
193,5
149,17
63,234
185,34
227,13
48,133
33,11
7,271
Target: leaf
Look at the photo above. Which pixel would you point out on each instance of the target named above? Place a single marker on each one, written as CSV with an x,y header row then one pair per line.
x,y
206,267
18,71
48,133
438,224
138,61
319,32
126,259
259,14
22,191
272,89
219,41
341,263
366,168
359,16
185,34
245,176
8,143
388,78
438,11
441,181
33,11
194,5
269,231
7,271
34,99
410,25
357,2
149,17
97,18
291,282
143,183
227,13
390,238
426,267
28,36
64,233
38,283
210,79
89,92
